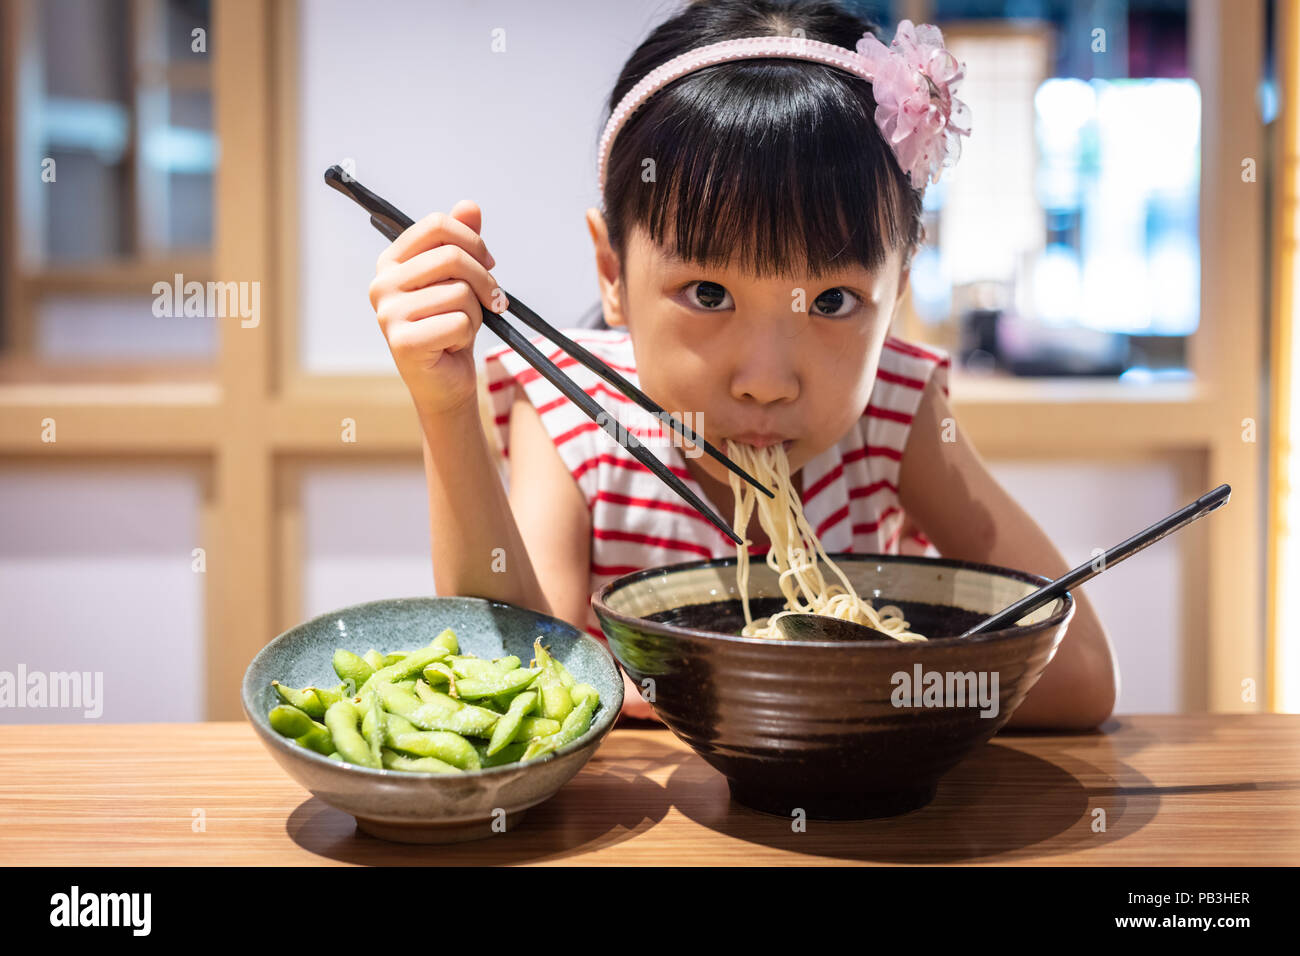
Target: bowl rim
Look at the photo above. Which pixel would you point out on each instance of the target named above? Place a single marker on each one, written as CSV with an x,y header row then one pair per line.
x,y
600,603
601,723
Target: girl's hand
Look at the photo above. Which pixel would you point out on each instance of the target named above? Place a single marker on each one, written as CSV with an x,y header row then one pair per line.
x,y
634,705
429,290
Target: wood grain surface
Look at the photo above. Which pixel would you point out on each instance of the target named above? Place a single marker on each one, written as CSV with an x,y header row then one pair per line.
x,y
1175,790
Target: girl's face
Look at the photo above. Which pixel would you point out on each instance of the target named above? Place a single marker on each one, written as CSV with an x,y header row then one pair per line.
x,y
741,356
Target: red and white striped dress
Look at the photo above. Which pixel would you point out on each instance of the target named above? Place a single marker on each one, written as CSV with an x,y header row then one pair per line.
x,y
850,491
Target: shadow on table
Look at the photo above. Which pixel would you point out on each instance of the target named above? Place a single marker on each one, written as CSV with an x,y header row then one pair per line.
x,y
998,804
580,818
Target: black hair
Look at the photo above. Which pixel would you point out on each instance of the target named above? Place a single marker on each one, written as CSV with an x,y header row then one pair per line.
x,y
775,165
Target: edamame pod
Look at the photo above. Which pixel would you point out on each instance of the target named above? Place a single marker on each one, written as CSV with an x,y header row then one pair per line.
x,y
408,666
506,664
329,695
317,739
537,727
507,727
342,720
469,721
565,677
466,666
439,673
472,688
445,745
399,701
447,640
556,702
574,726
439,712
578,721
351,667
510,754
304,700
373,658
396,761
540,657
372,726
394,657
290,721
579,691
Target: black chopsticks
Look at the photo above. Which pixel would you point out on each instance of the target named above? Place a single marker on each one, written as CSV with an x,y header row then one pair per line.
x,y
392,222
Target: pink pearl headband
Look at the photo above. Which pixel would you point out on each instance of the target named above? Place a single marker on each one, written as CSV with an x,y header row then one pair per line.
x,y
913,80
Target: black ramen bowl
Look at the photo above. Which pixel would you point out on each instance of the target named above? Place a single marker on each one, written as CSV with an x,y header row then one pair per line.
x,y
837,730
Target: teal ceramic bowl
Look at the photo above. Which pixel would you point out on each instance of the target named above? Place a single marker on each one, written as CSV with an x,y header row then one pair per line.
x,y
423,807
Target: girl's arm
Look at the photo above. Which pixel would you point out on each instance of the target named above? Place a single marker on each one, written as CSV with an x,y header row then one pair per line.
x,y
555,523
947,490
470,517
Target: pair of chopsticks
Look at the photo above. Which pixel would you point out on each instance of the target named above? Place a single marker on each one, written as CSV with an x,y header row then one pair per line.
x,y
392,222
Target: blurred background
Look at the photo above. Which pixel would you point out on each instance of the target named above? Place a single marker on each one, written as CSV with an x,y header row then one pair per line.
x,y
1112,264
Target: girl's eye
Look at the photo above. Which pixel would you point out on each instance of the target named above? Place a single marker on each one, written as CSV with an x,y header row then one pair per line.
x,y
710,295
837,302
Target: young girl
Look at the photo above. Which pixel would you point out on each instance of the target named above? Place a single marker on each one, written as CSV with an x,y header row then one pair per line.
x,y
759,217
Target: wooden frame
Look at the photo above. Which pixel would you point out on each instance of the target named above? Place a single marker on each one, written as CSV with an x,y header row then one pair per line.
x,y
1286,264
261,419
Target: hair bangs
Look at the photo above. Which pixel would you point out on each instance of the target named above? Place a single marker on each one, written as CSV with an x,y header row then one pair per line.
x,y
773,167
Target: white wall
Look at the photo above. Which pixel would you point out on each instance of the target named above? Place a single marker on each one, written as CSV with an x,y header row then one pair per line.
x,y
96,576
365,535
413,93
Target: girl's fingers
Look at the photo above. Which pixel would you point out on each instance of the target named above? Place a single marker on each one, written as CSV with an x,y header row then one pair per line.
x,y
451,333
443,263
468,212
436,229
433,302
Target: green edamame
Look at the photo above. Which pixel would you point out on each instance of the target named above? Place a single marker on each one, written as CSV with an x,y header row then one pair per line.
x,y
472,688
396,761
317,739
305,700
342,720
290,721
435,710
351,667
537,727
574,726
507,727
409,666
447,640
372,724
510,754
449,747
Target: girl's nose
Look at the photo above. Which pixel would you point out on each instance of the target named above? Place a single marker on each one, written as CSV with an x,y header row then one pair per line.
x,y
765,372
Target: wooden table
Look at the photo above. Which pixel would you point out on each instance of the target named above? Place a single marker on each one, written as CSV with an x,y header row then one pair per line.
x,y
1176,790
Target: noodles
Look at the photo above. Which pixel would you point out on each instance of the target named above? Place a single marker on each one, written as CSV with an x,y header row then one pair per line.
x,y
794,552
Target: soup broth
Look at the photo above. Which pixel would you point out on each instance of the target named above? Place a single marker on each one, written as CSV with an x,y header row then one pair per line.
x,y
728,617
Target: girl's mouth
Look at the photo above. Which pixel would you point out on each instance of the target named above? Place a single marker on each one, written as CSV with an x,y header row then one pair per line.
x,y
763,441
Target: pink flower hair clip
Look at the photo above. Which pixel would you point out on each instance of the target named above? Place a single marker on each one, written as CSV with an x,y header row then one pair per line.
x,y
916,109
913,79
